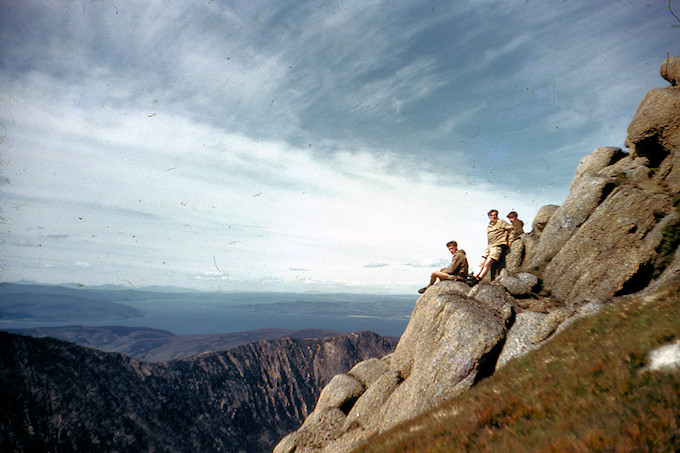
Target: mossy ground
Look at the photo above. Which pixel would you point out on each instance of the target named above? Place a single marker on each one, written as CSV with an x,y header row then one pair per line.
x,y
585,390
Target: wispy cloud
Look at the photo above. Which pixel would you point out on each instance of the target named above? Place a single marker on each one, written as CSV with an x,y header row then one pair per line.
x,y
319,144
376,265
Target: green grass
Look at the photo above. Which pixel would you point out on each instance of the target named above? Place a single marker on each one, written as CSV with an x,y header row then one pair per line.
x,y
585,390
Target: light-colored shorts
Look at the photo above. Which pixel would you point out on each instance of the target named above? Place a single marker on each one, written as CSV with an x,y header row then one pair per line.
x,y
493,252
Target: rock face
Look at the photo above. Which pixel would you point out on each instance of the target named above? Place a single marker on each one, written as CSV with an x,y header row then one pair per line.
x,y
58,396
606,238
670,70
452,340
617,231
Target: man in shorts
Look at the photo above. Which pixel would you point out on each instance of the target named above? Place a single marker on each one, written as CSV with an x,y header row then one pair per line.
x,y
497,236
458,270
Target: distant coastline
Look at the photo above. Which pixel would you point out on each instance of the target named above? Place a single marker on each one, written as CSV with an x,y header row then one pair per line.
x,y
194,312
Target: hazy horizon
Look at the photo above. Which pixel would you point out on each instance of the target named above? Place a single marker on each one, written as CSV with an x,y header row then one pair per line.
x,y
198,312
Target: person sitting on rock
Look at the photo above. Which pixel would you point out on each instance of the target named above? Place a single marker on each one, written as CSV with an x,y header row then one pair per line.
x,y
497,236
458,270
517,227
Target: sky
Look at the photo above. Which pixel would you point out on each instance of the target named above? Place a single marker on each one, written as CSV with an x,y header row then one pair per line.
x,y
305,146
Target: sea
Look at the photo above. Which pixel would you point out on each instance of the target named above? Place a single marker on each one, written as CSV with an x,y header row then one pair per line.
x,y
185,313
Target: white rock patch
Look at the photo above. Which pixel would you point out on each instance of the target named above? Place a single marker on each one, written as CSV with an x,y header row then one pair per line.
x,y
665,358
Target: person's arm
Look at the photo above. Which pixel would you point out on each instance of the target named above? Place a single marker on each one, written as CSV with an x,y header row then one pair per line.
x,y
456,263
508,229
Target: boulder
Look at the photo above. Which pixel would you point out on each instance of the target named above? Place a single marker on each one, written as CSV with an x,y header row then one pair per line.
x,y
451,287
542,218
584,197
654,133
517,342
517,284
530,242
515,257
288,444
612,253
321,427
450,340
340,393
367,412
670,70
664,358
369,370
581,311
603,240
596,162
529,331
670,273
494,298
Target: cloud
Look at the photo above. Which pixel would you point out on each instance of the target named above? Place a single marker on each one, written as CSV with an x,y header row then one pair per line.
x,y
219,276
376,265
428,264
57,236
25,243
299,137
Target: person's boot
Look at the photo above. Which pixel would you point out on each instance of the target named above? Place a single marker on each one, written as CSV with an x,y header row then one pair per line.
x,y
471,280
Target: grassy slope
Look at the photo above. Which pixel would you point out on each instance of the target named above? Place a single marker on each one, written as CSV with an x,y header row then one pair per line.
x,y
582,391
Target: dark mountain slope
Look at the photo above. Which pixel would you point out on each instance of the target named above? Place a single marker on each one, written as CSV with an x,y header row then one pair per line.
x,y
62,397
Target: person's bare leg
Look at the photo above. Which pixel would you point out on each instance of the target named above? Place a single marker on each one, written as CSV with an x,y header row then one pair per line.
x,y
438,275
485,267
433,278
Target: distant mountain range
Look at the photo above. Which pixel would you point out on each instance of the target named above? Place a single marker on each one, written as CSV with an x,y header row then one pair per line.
x,y
60,304
156,345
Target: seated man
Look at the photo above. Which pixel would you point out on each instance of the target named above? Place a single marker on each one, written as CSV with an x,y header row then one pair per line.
x,y
497,235
458,270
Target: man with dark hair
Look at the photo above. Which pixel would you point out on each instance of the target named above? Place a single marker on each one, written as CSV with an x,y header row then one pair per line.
x,y
458,270
517,227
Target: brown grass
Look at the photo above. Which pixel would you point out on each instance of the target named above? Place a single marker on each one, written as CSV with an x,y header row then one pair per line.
x,y
585,390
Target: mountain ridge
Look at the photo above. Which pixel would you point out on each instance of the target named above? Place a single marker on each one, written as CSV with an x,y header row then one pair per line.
x,y
158,345
61,396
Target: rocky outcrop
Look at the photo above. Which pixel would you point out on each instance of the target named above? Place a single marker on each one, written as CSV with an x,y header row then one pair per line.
x,y
530,240
58,396
453,339
518,284
618,229
588,189
609,235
